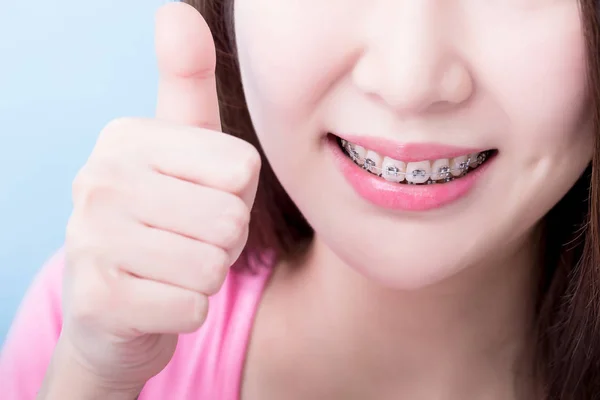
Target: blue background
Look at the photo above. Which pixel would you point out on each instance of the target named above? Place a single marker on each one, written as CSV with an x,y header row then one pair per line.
x,y
67,68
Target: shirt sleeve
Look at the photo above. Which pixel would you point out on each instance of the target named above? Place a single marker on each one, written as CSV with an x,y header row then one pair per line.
x,y
33,335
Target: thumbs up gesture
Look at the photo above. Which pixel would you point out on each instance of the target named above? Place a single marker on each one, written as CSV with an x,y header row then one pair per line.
x,y
161,211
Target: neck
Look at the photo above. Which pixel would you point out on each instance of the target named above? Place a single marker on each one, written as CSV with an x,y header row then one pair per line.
x,y
465,329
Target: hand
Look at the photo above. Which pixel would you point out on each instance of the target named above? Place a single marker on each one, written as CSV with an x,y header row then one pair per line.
x,y
161,211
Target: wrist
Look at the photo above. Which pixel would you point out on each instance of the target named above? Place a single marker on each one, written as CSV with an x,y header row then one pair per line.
x,y
66,379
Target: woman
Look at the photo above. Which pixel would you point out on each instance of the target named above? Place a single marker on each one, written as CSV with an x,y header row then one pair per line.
x,y
425,225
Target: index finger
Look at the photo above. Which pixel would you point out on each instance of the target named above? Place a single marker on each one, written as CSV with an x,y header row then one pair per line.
x,y
186,57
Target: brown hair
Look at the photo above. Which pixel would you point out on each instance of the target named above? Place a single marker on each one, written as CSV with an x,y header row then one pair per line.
x,y
568,312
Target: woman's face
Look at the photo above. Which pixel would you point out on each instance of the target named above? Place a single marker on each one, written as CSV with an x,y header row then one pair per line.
x,y
423,91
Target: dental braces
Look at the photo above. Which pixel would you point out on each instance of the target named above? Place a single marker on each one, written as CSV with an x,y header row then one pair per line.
x,y
443,174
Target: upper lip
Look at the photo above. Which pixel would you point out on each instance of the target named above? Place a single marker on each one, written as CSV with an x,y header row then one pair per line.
x,y
409,152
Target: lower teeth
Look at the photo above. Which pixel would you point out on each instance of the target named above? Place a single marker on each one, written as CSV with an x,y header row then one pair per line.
x,y
445,173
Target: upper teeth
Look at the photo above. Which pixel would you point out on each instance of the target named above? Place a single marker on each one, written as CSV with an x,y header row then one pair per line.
x,y
414,172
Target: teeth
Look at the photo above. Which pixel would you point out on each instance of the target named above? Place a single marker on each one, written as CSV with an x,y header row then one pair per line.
x,y
393,170
421,172
440,169
372,162
418,172
358,153
458,165
473,160
481,158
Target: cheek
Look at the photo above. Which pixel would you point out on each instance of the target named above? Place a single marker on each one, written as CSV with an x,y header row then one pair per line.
x,y
289,57
283,48
537,75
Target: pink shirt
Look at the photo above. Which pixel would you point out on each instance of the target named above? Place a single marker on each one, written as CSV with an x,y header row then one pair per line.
x,y
207,364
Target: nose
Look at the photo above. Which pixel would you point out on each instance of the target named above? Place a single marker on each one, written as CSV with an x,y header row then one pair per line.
x,y
409,59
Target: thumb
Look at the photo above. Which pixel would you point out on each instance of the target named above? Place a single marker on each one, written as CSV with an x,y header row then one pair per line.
x,y
185,50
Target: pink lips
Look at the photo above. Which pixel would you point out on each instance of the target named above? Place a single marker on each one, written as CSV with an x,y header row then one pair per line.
x,y
405,197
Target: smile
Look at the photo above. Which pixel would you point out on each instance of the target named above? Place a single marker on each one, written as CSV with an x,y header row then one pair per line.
x,y
408,176
425,172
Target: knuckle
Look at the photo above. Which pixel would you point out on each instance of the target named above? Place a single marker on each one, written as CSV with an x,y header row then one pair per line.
x,y
237,211
98,183
84,239
234,219
122,135
248,163
72,228
74,236
117,127
198,305
235,252
89,297
215,270
253,160
85,309
81,182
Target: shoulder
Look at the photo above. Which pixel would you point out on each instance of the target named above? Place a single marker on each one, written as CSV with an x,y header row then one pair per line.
x,y
209,363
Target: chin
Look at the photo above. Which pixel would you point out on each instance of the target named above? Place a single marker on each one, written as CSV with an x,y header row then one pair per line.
x,y
405,269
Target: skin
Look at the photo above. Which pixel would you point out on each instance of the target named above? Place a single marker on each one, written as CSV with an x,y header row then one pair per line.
x,y
155,227
445,307
457,73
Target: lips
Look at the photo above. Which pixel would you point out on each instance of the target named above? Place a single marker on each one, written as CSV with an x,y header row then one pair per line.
x,y
413,197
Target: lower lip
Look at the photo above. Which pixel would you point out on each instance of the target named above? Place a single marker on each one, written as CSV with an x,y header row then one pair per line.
x,y
395,196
